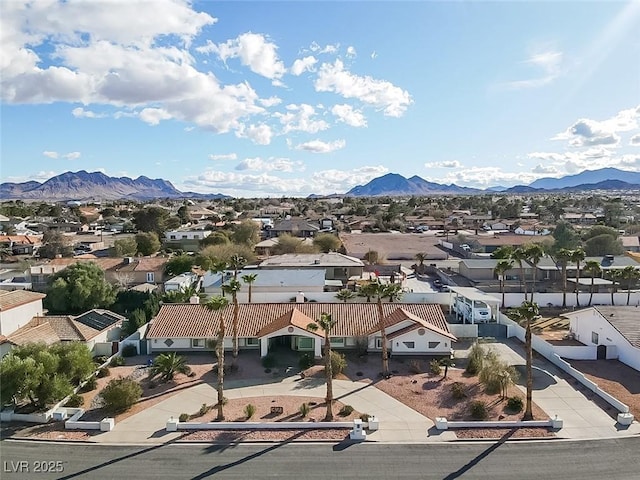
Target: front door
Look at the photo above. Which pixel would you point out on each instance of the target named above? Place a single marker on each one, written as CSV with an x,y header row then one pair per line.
x,y
114,347
602,352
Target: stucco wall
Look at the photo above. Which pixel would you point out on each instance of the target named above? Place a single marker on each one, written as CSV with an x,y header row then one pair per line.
x,y
14,318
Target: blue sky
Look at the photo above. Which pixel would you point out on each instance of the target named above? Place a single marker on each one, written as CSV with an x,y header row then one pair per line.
x,y
291,98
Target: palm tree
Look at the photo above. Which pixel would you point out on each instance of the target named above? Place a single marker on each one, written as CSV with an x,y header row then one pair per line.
x,y
381,291
528,311
233,287
500,269
220,266
236,263
630,274
218,304
326,324
519,255
563,257
166,365
577,256
614,276
249,279
420,257
344,295
368,290
534,253
592,268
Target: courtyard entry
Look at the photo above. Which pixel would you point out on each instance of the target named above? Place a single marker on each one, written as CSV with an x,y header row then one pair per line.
x,y
602,352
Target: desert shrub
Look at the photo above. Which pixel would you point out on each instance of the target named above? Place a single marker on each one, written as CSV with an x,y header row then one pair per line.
x,y
120,395
479,410
117,361
91,384
415,366
306,361
249,410
458,390
345,411
435,367
338,363
515,404
364,417
74,401
304,409
100,360
475,359
103,372
496,375
269,361
129,350
204,409
184,417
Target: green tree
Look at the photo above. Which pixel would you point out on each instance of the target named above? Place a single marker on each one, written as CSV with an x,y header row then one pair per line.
x,y
249,279
519,255
630,275
136,319
148,243
184,215
120,395
577,256
615,276
218,304
420,257
167,365
528,311
371,257
179,264
75,360
216,238
592,268
78,288
382,291
534,254
54,243
151,219
564,237
224,253
344,295
326,324
327,242
501,268
289,244
368,290
603,244
125,247
246,233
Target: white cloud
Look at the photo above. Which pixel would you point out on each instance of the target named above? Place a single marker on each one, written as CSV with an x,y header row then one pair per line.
x,y
351,52
153,116
271,164
548,61
50,154
72,156
270,102
635,140
329,48
302,65
56,155
254,50
318,146
587,132
80,112
332,77
374,55
545,170
221,157
258,134
300,118
445,164
348,115
483,177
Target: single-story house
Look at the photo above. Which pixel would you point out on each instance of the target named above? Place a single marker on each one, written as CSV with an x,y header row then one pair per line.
x,y
270,281
188,240
17,307
631,243
98,329
298,227
265,247
615,330
411,328
138,270
181,283
338,266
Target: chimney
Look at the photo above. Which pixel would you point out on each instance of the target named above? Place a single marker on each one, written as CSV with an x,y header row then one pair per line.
x,y
300,297
194,299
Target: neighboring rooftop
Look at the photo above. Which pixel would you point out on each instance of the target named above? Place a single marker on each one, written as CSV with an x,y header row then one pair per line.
x,y
625,320
15,298
331,259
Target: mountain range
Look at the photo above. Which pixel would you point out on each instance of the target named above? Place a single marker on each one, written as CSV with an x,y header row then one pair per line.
x,y
85,186
393,184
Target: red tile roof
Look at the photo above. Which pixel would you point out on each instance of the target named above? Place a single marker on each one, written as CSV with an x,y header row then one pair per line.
x,y
352,319
293,318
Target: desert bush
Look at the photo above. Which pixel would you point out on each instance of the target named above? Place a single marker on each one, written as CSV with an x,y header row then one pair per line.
x,y
415,366
184,417
74,401
269,361
129,350
475,359
249,410
91,384
458,390
345,411
479,410
338,363
120,395
304,409
117,361
204,409
103,372
364,417
100,360
435,367
306,361
496,375
515,404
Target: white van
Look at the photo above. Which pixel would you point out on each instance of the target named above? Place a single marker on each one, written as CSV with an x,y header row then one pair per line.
x,y
481,311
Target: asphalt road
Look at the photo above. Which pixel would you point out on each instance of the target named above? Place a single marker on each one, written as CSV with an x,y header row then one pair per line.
x,y
598,459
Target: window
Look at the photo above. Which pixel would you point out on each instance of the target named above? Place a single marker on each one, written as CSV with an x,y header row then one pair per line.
x,y
172,237
151,277
594,338
197,343
305,343
337,342
410,344
434,344
184,237
252,342
378,342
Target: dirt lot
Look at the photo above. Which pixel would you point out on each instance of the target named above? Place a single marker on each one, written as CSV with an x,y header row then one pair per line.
x,y
393,246
615,378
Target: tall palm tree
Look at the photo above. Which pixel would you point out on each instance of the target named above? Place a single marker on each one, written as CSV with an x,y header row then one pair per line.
x,y
345,294
218,304
592,268
381,291
630,274
614,276
563,257
220,266
368,290
528,311
233,287
519,255
500,269
249,279
577,256
534,253
237,263
420,257
326,324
